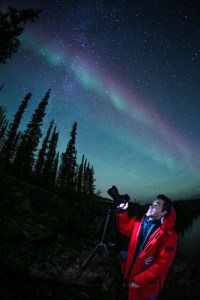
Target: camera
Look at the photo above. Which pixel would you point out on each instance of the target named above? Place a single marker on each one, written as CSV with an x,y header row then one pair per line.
x,y
119,200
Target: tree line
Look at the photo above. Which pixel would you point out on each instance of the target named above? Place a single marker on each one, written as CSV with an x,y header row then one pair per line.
x,y
34,158
20,155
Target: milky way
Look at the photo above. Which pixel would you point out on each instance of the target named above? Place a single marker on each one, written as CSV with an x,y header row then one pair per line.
x,y
136,122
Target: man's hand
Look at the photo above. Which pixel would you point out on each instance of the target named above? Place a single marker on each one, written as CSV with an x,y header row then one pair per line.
x,y
133,285
123,206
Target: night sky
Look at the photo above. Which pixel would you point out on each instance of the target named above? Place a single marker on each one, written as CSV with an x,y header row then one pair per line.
x,y
128,72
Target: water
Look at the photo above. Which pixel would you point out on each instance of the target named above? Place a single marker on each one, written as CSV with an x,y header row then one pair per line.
x,y
189,243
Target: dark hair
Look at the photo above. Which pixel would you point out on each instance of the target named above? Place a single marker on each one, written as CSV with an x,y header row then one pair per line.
x,y
167,205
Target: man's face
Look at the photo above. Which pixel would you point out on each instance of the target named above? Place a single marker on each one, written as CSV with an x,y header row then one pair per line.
x,y
155,209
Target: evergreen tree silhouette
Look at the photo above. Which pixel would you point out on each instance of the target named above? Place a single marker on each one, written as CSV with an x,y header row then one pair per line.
x,y
3,125
12,25
55,168
91,180
16,143
84,177
39,164
51,163
80,176
67,172
25,156
88,179
10,140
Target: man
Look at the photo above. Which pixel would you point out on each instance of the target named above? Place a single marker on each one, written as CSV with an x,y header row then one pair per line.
x,y
151,249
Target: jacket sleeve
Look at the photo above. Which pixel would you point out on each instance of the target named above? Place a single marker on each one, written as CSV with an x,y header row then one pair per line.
x,y
125,223
162,260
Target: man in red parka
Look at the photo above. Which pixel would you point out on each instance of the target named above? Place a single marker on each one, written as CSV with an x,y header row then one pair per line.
x,y
151,249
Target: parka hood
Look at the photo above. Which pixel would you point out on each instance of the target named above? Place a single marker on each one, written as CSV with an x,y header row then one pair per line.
x,y
170,221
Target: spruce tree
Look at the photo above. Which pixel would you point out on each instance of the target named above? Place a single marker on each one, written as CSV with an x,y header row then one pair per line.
x,y
10,140
12,25
88,179
25,156
67,172
17,142
55,169
84,177
3,125
80,176
91,181
50,164
39,164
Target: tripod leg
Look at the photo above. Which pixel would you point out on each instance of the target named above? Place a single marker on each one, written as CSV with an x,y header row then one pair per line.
x,y
86,262
100,244
103,245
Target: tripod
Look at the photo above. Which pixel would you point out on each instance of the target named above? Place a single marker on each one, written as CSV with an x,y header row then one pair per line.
x,y
100,245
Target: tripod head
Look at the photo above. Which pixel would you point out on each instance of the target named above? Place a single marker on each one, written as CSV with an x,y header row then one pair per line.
x,y
119,200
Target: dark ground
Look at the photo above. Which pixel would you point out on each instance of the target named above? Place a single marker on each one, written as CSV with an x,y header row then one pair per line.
x,y
37,264
182,283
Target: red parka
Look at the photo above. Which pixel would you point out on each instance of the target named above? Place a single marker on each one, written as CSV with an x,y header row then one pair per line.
x,y
152,265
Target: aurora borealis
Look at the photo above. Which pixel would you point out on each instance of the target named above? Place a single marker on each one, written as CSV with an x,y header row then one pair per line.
x,y
128,73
